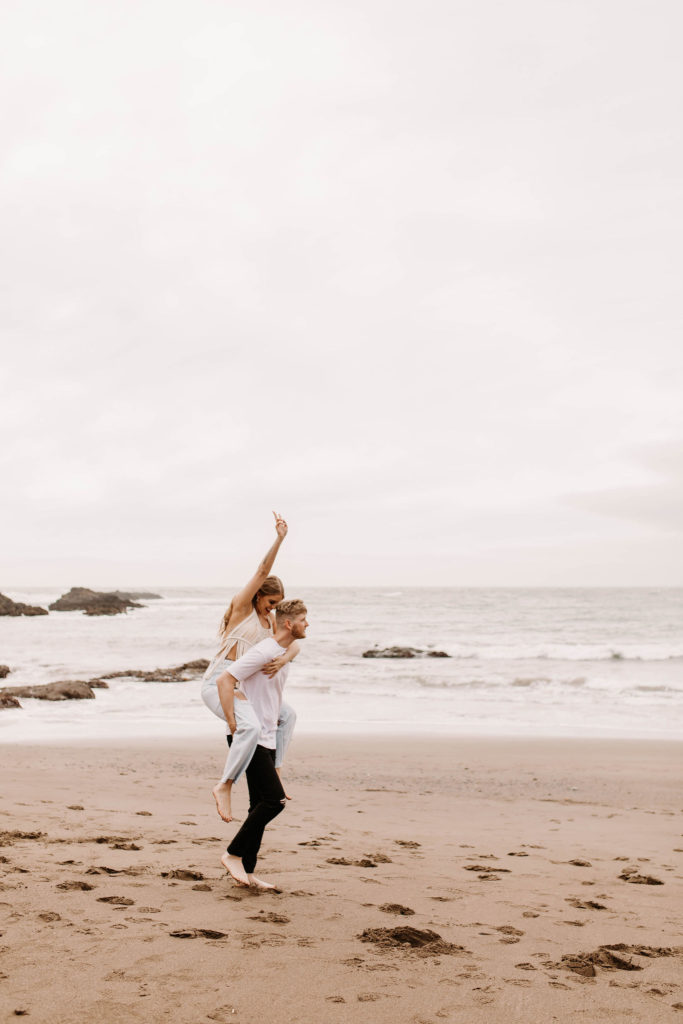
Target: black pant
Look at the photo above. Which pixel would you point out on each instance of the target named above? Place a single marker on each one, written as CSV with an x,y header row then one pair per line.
x,y
266,800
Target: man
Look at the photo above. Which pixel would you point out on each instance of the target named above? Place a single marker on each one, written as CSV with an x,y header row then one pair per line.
x,y
266,795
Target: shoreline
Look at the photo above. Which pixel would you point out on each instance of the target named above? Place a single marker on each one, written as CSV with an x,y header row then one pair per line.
x,y
40,731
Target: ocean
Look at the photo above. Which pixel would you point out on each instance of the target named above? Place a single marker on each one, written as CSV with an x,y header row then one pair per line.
x,y
523,662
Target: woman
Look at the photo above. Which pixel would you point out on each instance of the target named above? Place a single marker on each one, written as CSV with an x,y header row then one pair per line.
x,y
248,620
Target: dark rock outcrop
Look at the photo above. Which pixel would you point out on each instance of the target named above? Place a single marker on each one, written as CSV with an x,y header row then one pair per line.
x,y
93,602
79,689
14,608
402,652
67,689
179,674
4,671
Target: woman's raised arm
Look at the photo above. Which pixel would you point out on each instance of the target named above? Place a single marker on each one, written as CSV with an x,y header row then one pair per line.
x,y
241,602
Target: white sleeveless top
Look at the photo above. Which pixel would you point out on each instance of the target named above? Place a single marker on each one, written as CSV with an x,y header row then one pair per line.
x,y
247,633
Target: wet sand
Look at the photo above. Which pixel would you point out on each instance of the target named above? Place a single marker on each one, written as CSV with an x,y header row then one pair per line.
x,y
452,880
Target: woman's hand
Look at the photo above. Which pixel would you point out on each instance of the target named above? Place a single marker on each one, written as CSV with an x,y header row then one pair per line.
x,y
280,526
274,666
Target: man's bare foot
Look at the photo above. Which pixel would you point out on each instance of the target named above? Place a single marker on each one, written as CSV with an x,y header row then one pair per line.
x,y
221,794
258,883
234,866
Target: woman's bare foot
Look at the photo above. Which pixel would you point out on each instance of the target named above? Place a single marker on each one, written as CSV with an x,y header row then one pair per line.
x,y
258,883
221,794
234,866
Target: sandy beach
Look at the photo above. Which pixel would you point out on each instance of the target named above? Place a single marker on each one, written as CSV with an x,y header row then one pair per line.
x,y
455,880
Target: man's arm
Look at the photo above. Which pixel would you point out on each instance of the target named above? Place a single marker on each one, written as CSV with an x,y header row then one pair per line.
x,y
226,694
240,670
252,662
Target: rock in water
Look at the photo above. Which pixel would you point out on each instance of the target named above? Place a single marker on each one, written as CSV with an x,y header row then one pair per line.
x,y
14,608
8,701
93,602
402,652
68,689
179,674
4,671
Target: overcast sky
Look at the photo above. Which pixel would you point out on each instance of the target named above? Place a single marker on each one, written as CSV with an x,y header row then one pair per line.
x,y
409,273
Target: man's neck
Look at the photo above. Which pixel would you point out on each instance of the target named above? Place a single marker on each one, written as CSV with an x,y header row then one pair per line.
x,y
283,637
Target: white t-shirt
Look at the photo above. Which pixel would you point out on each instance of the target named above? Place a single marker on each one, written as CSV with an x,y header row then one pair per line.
x,y
264,694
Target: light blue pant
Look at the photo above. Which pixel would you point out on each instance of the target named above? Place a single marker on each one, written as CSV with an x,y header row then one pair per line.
x,y
246,736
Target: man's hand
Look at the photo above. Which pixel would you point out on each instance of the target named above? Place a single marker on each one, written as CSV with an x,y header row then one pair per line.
x,y
279,774
232,725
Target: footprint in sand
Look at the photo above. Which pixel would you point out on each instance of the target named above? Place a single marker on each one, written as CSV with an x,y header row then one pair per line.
x,y
426,942
49,915
585,904
184,874
509,933
222,1014
121,901
8,838
408,844
632,875
485,867
69,886
609,958
488,874
269,916
196,933
396,908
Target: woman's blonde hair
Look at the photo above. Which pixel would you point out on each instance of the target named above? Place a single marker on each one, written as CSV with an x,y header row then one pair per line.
x,y
271,586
